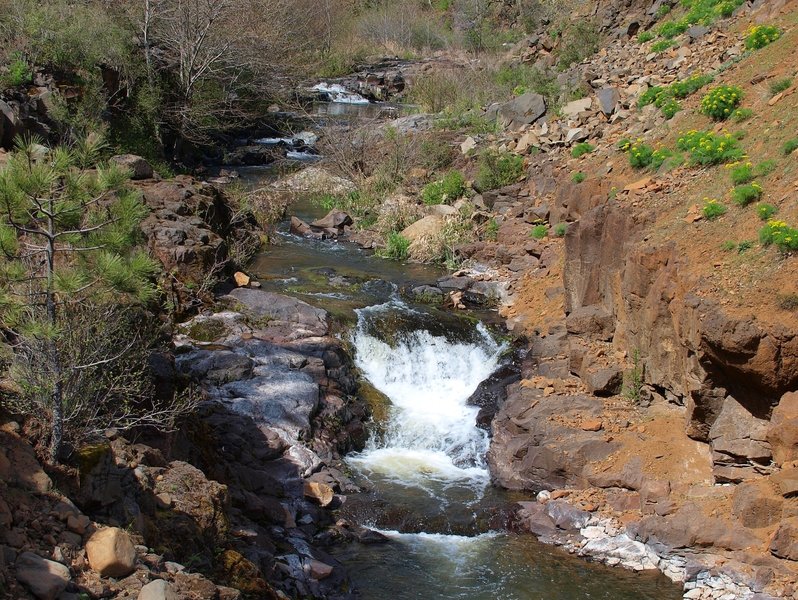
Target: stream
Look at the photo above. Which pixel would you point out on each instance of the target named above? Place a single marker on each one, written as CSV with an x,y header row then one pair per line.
x,y
424,480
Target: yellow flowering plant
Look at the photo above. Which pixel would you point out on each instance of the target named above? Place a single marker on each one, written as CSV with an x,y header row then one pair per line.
x,y
720,102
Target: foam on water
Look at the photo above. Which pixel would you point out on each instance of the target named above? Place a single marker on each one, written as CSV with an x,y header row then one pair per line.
x,y
338,93
431,435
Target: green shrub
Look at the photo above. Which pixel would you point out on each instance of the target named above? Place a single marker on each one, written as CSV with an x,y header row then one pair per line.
x,y
765,211
665,157
670,108
685,87
779,86
780,234
671,29
492,230
640,155
18,72
719,103
644,37
663,10
624,144
789,146
712,209
742,173
444,191
581,149
539,231
788,301
742,114
707,148
578,177
728,246
743,195
396,247
560,229
760,36
650,96
497,169
744,245
662,45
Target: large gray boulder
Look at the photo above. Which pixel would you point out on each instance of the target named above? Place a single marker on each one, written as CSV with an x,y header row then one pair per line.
x,y
524,110
608,98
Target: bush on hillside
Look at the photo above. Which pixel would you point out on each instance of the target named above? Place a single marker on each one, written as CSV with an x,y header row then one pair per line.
x,y
719,102
444,191
497,169
708,148
760,36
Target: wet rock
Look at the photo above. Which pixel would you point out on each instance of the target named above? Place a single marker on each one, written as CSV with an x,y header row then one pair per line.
x,y
158,590
523,110
288,316
567,516
46,579
427,293
299,227
111,553
335,219
138,167
534,518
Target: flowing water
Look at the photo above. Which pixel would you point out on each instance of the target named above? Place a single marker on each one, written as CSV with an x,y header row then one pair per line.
x,y
425,480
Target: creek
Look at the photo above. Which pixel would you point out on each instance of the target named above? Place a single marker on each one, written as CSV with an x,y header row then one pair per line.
x,y
424,480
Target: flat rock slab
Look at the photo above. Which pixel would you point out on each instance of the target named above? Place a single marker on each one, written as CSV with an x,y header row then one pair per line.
x,y
285,318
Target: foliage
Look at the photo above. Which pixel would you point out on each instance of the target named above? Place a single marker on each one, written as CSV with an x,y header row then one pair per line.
x,y
742,114
539,231
436,154
560,229
497,169
708,148
788,302
18,72
789,146
765,168
640,154
662,45
665,158
765,211
80,228
779,86
719,102
645,36
741,172
686,87
712,209
581,149
778,233
743,195
578,177
444,191
523,78
760,36
396,247
671,29
492,229
579,41
633,379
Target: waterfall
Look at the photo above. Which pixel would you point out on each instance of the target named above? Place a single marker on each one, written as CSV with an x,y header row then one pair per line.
x,y
431,435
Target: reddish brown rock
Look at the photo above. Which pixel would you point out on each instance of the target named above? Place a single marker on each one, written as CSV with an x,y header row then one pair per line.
x,y
783,431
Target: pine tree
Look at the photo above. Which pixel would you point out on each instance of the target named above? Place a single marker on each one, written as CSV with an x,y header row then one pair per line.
x,y
68,233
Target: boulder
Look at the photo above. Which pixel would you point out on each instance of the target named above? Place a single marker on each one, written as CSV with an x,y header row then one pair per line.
x,y
317,180
241,279
608,99
296,318
785,542
158,590
10,125
756,504
594,322
299,227
423,229
783,431
787,482
605,382
335,219
737,439
111,553
524,110
320,492
138,167
19,465
45,579
572,109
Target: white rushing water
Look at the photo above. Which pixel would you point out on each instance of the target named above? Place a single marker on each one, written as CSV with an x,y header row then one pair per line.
x,y
338,93
431,436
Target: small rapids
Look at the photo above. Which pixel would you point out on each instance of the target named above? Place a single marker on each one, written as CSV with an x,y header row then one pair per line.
x,y
431,435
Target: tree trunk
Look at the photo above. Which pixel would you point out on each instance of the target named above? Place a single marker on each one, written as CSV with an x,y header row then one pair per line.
x,y
53,355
